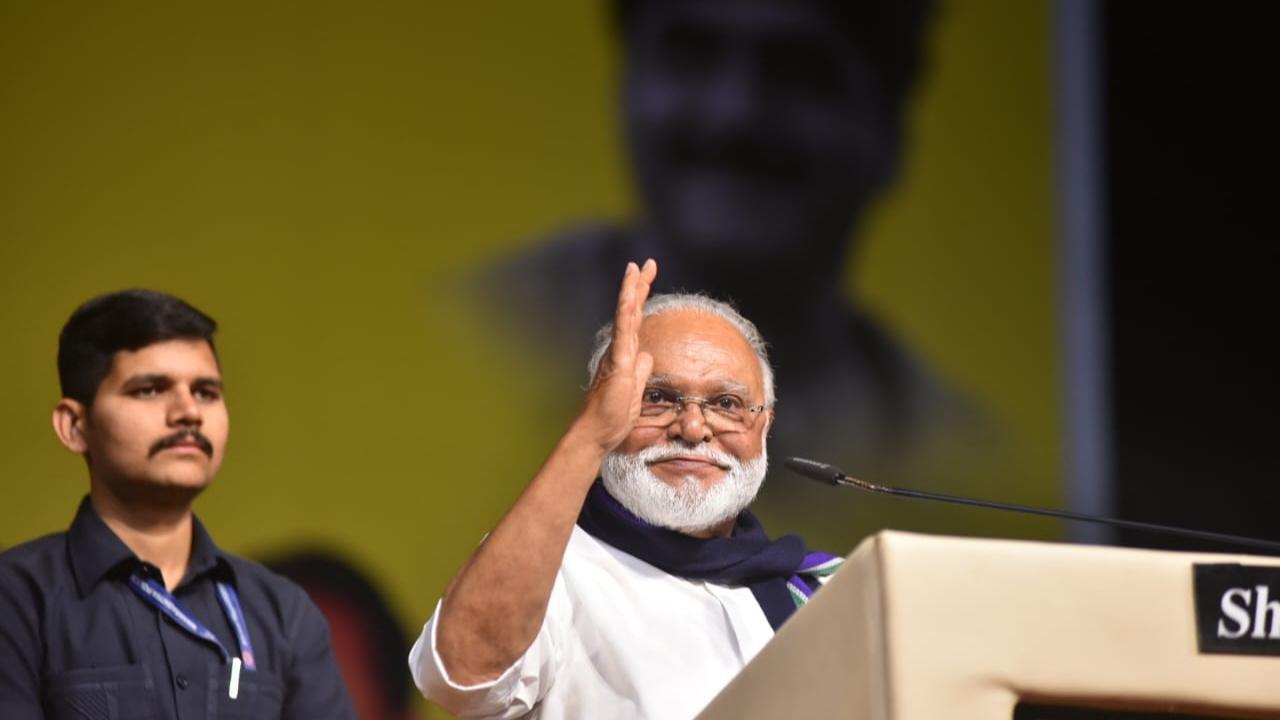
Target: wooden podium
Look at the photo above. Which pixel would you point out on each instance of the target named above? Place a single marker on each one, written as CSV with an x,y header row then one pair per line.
x,y
918,627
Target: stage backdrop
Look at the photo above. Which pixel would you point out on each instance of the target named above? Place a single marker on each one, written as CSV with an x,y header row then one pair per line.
x,y
317,176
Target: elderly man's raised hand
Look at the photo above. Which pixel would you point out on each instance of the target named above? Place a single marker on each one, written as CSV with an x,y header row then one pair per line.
x,y
495,606
613,402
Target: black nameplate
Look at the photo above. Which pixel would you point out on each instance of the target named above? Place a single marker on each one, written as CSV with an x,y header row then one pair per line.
x,y
1238,609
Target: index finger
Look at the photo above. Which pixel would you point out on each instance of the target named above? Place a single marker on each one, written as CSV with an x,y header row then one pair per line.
x,y
636,282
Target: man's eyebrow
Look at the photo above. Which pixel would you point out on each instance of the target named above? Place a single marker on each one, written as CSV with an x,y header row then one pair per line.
x,y
208,382
734,386
721,385
166,380
149,379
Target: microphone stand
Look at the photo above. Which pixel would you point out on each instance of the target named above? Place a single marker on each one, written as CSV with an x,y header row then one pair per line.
x,y
832,475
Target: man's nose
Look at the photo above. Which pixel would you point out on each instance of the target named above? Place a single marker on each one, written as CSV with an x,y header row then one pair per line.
x,y
183,408
734,95
690,424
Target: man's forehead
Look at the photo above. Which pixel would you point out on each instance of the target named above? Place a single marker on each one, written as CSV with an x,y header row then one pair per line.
x,y
699,345
180,356
690,321
747,19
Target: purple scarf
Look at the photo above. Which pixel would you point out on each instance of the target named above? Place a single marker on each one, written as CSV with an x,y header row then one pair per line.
x,y
748,557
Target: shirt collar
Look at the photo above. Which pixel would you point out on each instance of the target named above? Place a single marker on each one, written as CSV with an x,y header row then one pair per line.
x,y
205,555
96,551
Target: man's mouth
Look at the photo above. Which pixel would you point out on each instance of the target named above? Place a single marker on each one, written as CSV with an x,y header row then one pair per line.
x,y
187,439
686,462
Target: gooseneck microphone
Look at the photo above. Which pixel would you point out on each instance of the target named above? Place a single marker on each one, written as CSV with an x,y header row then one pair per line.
x,y
832,475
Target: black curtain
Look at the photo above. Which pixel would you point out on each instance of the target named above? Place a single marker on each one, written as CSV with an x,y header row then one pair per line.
x,y
1190,132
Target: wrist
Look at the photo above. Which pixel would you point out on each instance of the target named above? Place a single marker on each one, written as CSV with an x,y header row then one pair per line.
x,y
586,441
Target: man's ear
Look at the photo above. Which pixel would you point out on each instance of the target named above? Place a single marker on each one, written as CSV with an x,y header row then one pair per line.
x,y
68,424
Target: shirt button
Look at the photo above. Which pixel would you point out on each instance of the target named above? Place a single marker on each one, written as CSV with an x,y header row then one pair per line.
x,y
183,682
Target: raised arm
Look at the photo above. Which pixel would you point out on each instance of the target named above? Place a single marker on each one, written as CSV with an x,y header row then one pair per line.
x,y
494,606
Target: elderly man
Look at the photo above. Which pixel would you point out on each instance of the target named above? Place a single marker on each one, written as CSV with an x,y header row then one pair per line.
x,y
134,612
643,593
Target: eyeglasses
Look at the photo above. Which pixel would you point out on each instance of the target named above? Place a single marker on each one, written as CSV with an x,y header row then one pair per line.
x,y
726,412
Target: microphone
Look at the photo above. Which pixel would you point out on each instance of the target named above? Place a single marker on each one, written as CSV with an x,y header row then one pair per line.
x,y
832,475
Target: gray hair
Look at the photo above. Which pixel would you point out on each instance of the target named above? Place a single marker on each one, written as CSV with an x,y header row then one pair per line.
x,y
659,304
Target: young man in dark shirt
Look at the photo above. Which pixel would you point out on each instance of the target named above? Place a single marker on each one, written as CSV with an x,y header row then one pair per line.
x,y
134,612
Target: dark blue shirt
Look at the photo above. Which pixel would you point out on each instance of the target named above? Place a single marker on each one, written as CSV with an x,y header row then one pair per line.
x,y
76,642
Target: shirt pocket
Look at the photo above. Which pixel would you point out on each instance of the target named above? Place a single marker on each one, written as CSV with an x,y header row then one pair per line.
x,y
114,692
261,695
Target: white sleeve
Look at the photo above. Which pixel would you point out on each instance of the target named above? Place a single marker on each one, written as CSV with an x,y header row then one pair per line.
x,y
513,693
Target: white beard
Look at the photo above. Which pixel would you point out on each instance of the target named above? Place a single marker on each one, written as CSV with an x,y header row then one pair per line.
x,y
687,508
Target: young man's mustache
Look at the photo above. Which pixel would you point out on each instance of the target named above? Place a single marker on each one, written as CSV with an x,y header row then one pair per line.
x,y
188,435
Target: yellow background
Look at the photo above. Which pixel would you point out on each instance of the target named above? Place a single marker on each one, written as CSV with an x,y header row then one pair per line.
x,y
308,173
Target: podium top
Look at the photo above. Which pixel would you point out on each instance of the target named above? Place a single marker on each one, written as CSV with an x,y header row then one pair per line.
x,y
919,627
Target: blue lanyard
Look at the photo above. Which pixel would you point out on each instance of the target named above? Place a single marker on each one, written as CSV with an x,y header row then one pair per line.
x,y
156,594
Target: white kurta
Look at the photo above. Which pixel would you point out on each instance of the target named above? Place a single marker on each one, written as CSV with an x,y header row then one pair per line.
x,y
621,639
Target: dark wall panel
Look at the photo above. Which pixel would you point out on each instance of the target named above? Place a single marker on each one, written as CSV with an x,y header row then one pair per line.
x,y
1191,162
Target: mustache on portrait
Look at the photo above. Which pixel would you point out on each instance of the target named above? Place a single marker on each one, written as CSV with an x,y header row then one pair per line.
x,y
190,434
